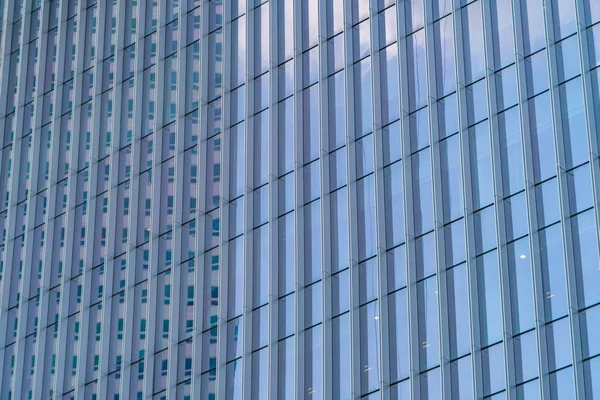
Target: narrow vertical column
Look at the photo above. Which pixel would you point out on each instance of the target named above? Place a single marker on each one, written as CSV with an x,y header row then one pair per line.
x,y
403,14
158,209
93,202
325,226
44,331
114,159
299,350
248,203
127,375
49,255
277,9
178,189
12,267
355,340
532,203
25,354
5,40
467,159
201,216
380,216
563,188
500,218
436,166
585,48
224,248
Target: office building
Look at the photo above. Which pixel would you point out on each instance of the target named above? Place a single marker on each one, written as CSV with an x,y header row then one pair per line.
x,y
299,199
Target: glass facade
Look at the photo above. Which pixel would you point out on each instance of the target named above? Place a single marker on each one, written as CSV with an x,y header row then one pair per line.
x,y
299,199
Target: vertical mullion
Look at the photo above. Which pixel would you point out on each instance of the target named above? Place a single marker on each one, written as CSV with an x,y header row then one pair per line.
x,y
594,153
30,203
201,217
411,278
43,330
500,218
555,102
273,214
56,150
381,252
11,277
248,225
222,319
109,263
130,298
532,206
325,225
469,207
299,344
156,212
5,39
438,217
90,249
355,339
178,185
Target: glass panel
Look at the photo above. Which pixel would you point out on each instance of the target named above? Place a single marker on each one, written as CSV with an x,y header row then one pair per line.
x,y
313,377
492,359
394,204
561,384
585,248
366,217
260,369
481,165
490,305
458,311
340,379
462,378
369,347
444,56
473,42
526,358
558,341
451,178
428,331
553,272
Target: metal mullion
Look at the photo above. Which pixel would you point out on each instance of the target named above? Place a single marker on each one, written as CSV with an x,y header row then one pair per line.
x,y
112,202
273,215
174,309
12,182
222,311
55,123
131,257
524,119
32,198
438,217
299,344
200,217
555,102
31,202
92,202
594,151
55,156
413,321
10,276
157,172
384,352
248,231
500,220
5,37
325,217
355,382
584,46
470,251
